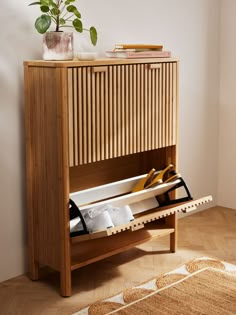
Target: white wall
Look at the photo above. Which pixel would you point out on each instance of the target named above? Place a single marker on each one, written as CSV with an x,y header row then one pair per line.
x,y
227,108
189,28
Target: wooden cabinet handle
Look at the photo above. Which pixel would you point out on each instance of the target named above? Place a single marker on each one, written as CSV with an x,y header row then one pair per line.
x,y
154,66
100,69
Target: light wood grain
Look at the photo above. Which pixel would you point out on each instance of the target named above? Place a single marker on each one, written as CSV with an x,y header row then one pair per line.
x,y
47,159
208,233
97,249
97,62
88,124
142,220
33,264
61,232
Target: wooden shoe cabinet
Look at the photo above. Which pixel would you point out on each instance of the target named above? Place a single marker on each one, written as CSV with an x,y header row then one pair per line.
x,y
93,128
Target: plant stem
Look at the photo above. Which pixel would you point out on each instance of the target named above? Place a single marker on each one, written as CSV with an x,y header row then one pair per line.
x,y
57,23
67,19
52,17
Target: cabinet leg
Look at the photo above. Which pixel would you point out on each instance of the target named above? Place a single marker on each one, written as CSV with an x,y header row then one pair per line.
x,y
65,283
173,242
171,221
33,269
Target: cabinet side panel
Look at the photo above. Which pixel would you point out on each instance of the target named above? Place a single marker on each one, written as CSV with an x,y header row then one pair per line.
x,y
45,158
33,265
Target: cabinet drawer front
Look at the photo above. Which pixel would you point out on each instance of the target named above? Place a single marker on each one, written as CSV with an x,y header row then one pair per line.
x,y
121,109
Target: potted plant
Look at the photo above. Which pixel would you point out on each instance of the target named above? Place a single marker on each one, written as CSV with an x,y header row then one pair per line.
x,y
58,45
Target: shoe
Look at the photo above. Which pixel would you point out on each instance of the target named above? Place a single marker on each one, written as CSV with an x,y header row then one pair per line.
x,y
153,179
143,181
121,215
173,176
97,221
158,178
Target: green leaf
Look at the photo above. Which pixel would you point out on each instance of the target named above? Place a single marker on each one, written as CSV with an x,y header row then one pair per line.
x,y
73,9
93,35
62,22
34,3
45,2
78,25
42,23
44,8
55,11
77,14
69,1
53,4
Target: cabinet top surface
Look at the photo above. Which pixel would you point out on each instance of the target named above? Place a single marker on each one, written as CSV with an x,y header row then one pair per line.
x,y
96,62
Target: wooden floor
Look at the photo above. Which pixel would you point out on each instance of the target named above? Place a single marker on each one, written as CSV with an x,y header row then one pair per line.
x,y
208,233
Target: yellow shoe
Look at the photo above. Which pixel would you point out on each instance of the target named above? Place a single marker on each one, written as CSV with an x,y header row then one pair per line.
x,y
143,181
173,177
159,178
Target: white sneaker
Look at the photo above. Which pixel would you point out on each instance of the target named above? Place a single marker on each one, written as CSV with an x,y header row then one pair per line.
x,y
121,215
100,221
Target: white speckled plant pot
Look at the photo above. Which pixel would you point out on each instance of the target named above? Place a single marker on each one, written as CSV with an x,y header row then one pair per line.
x,y
57,46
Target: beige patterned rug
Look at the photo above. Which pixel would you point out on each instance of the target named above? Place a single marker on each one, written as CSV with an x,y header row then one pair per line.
x,y
202,286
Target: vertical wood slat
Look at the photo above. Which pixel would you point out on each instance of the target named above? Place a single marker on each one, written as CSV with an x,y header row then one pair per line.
x,y
130,109
89,116
174,87
167,108
97,125
114,111
71,117
145,109
171,104
94,147
102,142
149,111
75,118
80,116
142,109
156,108
134,94
120,109
126,110
160,110
153,112
138,106
84,100
163,105
123,147
110,131
106,119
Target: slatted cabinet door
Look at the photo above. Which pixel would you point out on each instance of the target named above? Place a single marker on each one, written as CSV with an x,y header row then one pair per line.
x,y
117,110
